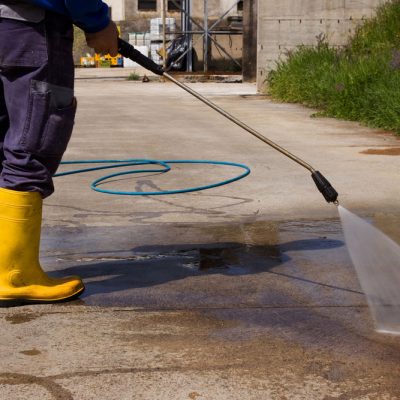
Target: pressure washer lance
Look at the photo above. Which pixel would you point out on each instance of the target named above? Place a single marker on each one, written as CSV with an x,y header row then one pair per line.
x,y
323,185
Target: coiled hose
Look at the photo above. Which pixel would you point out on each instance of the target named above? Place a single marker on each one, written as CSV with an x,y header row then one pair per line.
x,y
165,164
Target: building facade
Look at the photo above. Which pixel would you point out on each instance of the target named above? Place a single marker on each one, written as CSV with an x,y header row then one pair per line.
x,y
123,10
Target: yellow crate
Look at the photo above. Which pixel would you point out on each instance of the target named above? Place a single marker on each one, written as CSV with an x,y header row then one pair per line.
x,y
88,62
114,61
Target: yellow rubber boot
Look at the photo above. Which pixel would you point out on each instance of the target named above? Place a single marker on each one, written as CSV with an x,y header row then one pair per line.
x,y
22,279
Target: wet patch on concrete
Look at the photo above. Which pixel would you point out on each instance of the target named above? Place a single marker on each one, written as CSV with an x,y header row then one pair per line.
x,y
173,322
21,318
391,151
184,266
32,352
55,390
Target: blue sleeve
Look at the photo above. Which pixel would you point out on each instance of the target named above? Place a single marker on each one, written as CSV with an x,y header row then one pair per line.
x,y
90,15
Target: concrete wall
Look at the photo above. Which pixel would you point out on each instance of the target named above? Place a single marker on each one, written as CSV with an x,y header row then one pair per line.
x,y
285,24
118,9
215,7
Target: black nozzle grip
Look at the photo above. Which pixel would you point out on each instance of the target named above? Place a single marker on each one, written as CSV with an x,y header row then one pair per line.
x,y
128,51
323,185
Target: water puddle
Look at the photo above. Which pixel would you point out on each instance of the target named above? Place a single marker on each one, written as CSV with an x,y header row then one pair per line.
x,y
391,151
255,264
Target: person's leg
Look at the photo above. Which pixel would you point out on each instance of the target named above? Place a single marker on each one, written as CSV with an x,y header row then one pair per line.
x,y
38,94
39,97
4,124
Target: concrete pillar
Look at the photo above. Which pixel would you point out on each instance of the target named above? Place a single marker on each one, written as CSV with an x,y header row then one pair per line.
x,y
250,21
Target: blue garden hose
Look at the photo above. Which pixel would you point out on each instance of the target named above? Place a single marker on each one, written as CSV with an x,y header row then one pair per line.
x,y
165,164
128,51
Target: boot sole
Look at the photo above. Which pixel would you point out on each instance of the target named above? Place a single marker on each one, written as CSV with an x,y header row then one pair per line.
x,y
4,303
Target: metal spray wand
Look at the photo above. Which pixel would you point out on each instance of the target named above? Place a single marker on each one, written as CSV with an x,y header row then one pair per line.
x,y
323,185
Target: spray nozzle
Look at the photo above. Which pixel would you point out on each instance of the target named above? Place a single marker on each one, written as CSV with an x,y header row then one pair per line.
x,y
323,185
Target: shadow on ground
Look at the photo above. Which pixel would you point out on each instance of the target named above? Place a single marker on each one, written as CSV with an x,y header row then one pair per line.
x,y
153,266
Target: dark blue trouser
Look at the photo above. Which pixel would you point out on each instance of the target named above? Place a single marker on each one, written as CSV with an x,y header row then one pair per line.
x,y
37,107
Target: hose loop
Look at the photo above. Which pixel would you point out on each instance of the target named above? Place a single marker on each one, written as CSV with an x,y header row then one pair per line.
x,y
165,167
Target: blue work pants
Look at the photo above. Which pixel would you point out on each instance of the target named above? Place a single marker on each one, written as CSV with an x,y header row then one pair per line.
x,y
37,104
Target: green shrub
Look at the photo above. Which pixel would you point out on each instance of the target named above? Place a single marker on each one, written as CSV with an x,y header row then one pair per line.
x,y
360,82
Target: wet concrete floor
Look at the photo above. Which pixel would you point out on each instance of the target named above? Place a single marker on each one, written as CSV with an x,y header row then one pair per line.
x,y
258,309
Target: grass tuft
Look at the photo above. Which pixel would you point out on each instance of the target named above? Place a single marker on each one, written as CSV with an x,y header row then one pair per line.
x,y
133,77
360,82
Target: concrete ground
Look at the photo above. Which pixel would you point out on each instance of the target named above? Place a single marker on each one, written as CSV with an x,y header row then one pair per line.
x,y
241,292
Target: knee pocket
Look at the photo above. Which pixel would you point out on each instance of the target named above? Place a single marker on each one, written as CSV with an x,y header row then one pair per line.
x,y
48,128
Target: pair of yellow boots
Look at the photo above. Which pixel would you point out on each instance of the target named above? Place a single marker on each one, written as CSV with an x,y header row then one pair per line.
x,y
22,279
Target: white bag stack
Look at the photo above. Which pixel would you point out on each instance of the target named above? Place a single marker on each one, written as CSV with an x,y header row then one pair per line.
x,y
156,29
128,63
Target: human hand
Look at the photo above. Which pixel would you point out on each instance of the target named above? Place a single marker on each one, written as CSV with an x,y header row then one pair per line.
x,y
105,41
